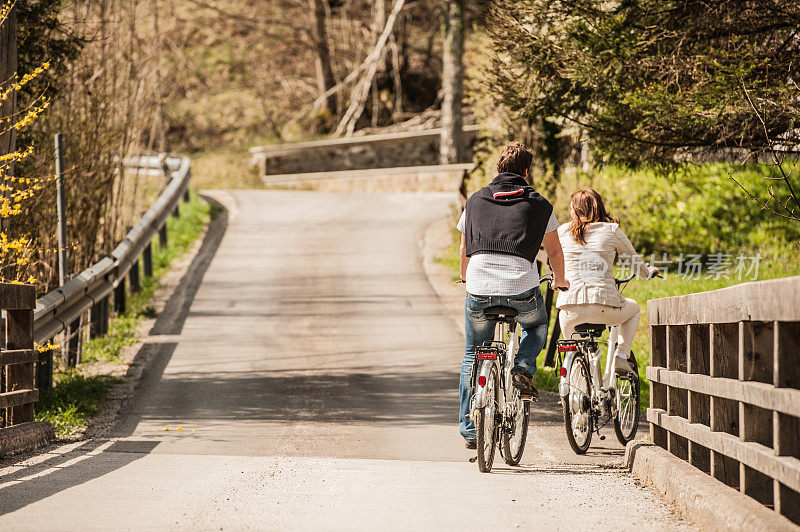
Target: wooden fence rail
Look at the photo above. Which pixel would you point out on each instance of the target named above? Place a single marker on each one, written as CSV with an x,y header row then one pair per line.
x,y
725,377
17,355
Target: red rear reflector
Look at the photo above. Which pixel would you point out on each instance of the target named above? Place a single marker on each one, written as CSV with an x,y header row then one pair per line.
x,y
486,356
563,371
564,348
481,381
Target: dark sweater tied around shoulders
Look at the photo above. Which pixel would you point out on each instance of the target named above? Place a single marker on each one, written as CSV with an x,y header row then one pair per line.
x,y
506,216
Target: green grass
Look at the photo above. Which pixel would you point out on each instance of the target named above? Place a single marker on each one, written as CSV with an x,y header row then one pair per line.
x,y
73,401
75,398
228,168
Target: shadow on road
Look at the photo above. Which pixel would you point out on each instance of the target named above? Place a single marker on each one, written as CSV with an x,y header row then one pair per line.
x,y
154,355
27,484
389,397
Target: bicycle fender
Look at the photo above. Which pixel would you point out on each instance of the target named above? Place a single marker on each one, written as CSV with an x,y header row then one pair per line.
x,y
479,399
563,386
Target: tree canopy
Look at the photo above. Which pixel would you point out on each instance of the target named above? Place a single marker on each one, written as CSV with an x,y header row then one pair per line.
x,y
649,78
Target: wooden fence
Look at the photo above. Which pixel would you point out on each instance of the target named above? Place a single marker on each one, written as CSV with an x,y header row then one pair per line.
x,y
17,355
725,377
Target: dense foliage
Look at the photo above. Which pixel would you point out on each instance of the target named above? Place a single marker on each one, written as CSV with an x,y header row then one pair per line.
x,y
650,78
689,209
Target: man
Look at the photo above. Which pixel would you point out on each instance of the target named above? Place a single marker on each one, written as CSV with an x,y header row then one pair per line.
x,y
502,226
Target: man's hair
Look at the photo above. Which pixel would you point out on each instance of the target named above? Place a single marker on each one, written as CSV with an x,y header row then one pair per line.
x,y
515,158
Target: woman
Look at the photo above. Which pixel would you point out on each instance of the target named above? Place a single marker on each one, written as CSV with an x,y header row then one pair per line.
x,y
590,243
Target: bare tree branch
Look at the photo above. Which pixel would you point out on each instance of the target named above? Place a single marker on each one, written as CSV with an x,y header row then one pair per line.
x,y
361,91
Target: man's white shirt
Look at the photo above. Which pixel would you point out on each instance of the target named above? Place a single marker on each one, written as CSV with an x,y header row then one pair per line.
x,y
501,274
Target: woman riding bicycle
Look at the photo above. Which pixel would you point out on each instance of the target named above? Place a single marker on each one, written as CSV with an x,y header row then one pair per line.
x,y
590,242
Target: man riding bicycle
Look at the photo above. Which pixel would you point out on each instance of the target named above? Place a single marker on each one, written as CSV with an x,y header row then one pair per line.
x,y
503,225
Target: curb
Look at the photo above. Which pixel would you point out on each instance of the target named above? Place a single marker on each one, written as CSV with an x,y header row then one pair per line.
x,y
711,504
145,350
26,437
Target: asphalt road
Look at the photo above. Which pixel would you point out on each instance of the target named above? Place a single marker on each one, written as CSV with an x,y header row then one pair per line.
x,y
307,376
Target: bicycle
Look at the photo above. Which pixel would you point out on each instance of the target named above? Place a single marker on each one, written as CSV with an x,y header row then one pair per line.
x,y
589,400
500,411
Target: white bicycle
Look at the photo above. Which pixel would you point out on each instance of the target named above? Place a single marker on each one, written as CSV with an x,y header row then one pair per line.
x,y
499,410
590,400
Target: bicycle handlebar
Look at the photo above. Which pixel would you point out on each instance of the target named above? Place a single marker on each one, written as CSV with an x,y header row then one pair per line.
x,y
625,280
548,277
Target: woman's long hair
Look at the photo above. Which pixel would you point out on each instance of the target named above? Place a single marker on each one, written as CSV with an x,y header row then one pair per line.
x,y
587,207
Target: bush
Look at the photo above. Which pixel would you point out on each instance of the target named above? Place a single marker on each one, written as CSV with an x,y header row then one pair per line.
x,y
691,209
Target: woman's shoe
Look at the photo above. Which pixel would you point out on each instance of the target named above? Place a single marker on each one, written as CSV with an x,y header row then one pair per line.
x,y
624,365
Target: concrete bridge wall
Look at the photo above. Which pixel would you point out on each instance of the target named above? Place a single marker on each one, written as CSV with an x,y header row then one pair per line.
x,y
391,150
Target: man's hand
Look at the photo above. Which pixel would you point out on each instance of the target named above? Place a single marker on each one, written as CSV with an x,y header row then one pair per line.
x,y
560,284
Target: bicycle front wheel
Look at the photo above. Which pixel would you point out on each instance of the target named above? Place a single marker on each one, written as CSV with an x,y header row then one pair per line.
x,y
627,420
514,443
485,419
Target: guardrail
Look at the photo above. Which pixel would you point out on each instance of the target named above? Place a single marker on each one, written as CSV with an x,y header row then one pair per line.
x,y
61,310
725,377
17,357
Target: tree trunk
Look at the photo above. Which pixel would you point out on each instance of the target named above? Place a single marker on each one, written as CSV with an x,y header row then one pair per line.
x,y
451,145
319,38
8,68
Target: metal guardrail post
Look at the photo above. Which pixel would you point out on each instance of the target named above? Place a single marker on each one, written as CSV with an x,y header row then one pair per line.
x,y
147,260
74,343
44,370
96,319
162,236
105,309
186,196
119,297
133,277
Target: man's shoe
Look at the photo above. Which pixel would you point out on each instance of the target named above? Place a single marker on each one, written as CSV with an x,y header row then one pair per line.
x,y
523,381
624,365
471,445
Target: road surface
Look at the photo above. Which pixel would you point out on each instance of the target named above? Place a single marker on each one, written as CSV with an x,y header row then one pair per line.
x,y
305,376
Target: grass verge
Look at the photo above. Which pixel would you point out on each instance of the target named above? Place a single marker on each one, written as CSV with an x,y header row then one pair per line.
x,y
78,393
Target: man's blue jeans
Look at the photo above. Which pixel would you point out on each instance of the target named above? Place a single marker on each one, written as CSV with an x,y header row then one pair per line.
x,y
533,319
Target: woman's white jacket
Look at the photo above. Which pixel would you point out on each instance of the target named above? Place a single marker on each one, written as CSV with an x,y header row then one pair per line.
x,y
590,267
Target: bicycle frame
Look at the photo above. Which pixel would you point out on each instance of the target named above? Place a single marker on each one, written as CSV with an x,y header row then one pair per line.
x,y
607,380
483,367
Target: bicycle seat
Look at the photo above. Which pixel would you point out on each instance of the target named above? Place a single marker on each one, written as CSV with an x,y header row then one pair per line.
x,y
499,312
593,329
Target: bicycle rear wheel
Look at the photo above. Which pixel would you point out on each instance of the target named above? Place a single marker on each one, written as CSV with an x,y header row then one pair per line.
x,y
577,407
485,424
514,444
627,419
